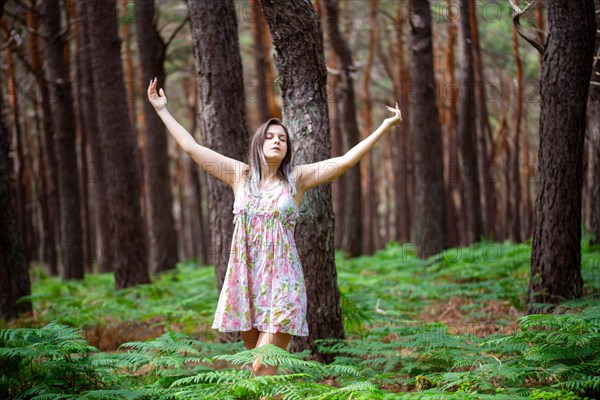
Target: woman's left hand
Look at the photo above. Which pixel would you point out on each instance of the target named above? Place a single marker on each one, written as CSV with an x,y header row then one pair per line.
x,y
396,119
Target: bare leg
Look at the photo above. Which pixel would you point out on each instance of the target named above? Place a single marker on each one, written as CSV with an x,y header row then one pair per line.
x,y
280,340
250,338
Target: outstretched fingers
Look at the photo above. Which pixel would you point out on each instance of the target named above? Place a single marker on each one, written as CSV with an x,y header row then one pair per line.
x,y
396,111
152,89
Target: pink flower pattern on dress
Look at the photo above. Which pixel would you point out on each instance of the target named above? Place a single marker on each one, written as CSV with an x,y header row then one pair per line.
x,y
264,283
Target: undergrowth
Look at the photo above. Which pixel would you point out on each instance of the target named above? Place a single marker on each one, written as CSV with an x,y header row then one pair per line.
x,y
408,335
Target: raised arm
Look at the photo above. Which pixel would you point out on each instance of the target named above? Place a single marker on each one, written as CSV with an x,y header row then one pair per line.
x,y
224,168
310,175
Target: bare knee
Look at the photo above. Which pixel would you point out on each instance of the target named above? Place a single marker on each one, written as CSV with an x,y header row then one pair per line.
x,y
250,338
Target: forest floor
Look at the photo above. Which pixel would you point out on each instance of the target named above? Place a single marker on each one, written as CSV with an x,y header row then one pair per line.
x,y
450,327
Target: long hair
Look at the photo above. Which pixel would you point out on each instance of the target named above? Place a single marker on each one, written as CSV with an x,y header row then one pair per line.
x,y
256,158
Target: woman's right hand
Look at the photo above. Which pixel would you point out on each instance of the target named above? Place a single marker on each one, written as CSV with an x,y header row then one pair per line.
x,y
159,102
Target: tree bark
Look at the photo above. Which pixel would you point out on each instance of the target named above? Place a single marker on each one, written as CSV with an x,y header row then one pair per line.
x,y
300,60
483,130
515,167
430,215
352,233
81,142
64,142
453,182
20,192
91,130
369,195
163,237
556,254
14,278
466,129
594,131
399,151
337,187
260,61
119,150
196,213
48,193
129,69
222,110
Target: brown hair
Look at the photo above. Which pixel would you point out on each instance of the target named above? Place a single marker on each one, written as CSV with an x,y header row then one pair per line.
x,y
256,158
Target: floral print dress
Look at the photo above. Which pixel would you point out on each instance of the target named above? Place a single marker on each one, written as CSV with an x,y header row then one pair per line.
x,y
264,283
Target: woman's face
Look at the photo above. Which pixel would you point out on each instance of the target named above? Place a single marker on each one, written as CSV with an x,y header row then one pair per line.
x,y
275,144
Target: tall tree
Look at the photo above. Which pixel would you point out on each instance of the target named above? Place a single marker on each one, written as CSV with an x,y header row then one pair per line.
x,y
121,168
14,278
430,215
594,113
90,129
568,56
64,141
401,150
483,129
222,110
352,233
300,60
467,148
48,191
261,62
163,237
20,166
514,163
369,198
448,117
81,141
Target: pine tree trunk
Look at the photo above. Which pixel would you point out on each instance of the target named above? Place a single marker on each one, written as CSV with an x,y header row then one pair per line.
x,y
594,125
163,237
453,182
298,40
368,199
64,142
260,61
91,131
14,277
119,150
466,129
128,59
49,194
399,151
352,233
556,255
430,215
222,111
196,213
483,130
404,139
81,142
337,187
17,135
515,167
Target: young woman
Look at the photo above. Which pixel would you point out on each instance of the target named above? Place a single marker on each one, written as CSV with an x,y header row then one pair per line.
x,y
263,295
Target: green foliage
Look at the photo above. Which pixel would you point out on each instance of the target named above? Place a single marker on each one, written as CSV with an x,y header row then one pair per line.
x,y
538,394
389,352
173,298
42,363
563,349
